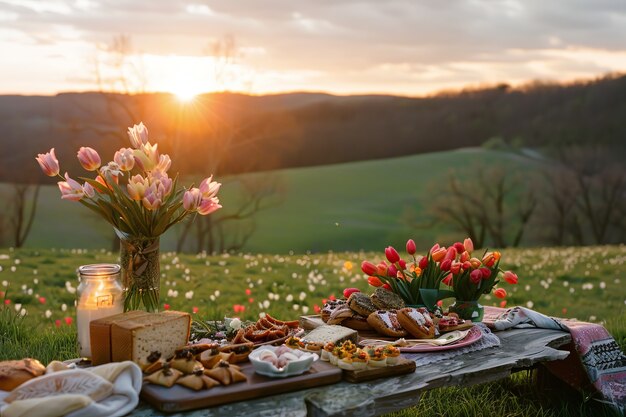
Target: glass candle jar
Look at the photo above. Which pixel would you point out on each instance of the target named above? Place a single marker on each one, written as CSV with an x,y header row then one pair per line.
x,y
100,294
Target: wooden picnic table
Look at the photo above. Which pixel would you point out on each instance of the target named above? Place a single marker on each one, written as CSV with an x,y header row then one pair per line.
x,y
520,349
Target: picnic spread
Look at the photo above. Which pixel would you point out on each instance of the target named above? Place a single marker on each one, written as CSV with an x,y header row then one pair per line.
x,y
273,356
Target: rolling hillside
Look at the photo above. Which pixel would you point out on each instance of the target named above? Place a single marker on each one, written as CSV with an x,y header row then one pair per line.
x,y
348,206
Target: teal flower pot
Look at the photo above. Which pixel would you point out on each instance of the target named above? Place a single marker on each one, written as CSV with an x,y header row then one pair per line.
x,y
468,310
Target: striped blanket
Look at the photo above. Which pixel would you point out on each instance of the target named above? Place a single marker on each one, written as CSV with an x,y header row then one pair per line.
x,y
599,362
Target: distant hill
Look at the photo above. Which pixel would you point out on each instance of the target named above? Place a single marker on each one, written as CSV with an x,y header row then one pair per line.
x,y
232,133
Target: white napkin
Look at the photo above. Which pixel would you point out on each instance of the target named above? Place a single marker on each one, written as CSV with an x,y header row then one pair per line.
x,y
126,378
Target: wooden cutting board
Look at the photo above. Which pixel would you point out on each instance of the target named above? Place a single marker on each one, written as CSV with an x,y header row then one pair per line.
x,y
179,398
404,366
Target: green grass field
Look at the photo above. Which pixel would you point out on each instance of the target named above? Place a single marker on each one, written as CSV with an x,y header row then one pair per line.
x,y
585,283
341,207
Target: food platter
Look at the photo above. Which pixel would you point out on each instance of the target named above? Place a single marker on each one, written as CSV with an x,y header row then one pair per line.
x,y
473,335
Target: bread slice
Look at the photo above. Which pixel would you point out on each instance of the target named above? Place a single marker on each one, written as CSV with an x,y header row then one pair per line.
x,y
330,333
135,339
100,335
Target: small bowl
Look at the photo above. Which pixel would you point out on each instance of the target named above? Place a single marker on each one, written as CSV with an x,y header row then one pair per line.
x,y
295,367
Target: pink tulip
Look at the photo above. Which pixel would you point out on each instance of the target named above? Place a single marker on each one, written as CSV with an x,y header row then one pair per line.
x,y
392,271
89,190
468,245
209,188
500,293
465,256
434,248
164,163
137,187
151,199
369,268
138,135
192,199
467,265
162,182
410,247
208,206
455,268
89,158
71,189
125,159
392,255
476,276
48,163
510,277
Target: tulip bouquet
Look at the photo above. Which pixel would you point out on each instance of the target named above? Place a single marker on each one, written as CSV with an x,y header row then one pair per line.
x,y
135,194
417,281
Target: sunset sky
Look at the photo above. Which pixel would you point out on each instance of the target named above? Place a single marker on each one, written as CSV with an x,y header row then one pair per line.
x,y
403,47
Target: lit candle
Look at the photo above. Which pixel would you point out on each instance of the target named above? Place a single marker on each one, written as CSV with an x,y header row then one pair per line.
x,y
100,295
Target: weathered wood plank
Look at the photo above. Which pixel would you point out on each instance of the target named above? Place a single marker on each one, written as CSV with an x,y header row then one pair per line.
x,y
520,348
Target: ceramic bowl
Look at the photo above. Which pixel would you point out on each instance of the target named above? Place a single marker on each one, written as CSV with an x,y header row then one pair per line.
x,y
295,367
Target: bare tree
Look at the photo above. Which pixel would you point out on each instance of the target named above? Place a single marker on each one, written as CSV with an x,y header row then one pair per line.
x,y
21,211
490,204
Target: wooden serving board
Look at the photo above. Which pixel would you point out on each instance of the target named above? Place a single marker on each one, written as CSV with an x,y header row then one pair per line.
x,y
179,398
404,366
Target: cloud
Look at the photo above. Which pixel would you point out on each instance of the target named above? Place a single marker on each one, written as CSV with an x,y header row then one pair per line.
x,y
426,44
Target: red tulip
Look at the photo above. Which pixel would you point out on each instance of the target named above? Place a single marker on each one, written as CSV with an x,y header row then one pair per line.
x,y
446,264
248,291
440,303
317,309
374,282
510,277
499,292
57,323
455,268
402,264
68,321
392,255
450,254
368,268
502,303
332,297
348,291
467,265
166,306
392,271
410,247
486,272
195,310
476,276
387,286
459,247
42,300
423,262
447,280
7,302
250,300
465,256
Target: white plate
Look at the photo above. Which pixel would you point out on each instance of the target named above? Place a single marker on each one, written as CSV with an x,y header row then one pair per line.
x,y
293,368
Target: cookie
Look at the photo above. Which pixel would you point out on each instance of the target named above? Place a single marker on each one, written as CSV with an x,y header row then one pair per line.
x,y
361,304
387,300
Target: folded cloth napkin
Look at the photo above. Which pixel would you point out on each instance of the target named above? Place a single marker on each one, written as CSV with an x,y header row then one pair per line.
x,y
125,377
601,357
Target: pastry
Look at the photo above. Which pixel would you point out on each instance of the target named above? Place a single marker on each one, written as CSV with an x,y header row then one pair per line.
x,y
197,381
378,359
187,364
330,307
195,349
361,304
327,351
417,322
15,373
56,366
225,373
165,376
386,322
359,360
152,363
357,322
392,353
240,352
387,300
340,314
450,323
210,358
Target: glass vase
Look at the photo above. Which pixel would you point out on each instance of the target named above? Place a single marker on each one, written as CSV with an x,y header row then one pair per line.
x,y
468,310
141,272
